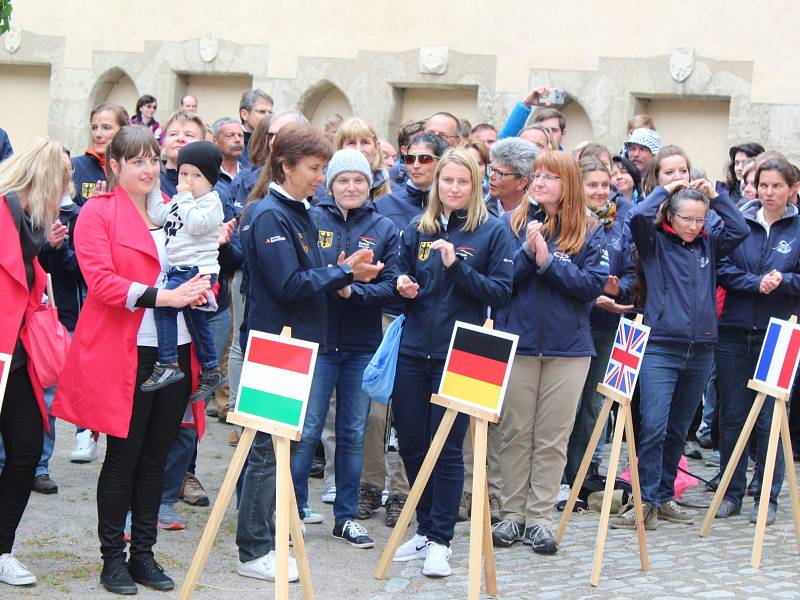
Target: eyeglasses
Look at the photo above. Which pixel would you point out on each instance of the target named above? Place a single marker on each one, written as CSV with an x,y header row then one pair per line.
x,y
545,177
442,134
424,159
690,220
153,106
495,172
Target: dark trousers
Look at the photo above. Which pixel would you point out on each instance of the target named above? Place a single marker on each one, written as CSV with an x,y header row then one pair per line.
x,y
133,470
166,319
21,427
417,420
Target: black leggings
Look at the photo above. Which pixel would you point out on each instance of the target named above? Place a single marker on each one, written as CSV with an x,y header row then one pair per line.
x,y
133,470
21,427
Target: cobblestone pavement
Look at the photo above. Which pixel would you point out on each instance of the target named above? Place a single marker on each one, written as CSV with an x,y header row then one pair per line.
x,y
58,541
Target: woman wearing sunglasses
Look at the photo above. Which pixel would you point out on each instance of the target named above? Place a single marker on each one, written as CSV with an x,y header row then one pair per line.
x,y
421,159
454,261
677,287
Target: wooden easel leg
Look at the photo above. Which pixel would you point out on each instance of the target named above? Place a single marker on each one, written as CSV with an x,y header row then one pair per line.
x,y
613,462
437,443
299,543
489,570
599,428
217,513
791,475
766,484
636,487
479,500
741,443
283,491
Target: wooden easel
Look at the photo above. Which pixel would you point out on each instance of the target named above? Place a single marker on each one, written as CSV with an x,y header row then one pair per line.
x,y
779,428
624,423
287,516
480,541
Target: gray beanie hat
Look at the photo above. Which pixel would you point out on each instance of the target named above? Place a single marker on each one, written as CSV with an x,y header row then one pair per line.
x,y
345,160
644,137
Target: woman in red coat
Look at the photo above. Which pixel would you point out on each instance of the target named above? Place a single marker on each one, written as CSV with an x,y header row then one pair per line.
x,y
31,185
122,258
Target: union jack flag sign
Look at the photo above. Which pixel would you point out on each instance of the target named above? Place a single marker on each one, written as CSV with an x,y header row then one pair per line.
x,y
626,356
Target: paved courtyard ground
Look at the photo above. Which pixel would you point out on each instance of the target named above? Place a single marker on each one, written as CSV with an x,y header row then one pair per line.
x,y
58,541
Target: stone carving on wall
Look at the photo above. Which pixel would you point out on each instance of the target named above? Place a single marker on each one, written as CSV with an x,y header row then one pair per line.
x,y
12,40
433,60
681,63
209,47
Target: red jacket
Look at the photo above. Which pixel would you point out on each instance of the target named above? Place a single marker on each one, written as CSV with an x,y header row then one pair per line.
x,y
114,249
17,300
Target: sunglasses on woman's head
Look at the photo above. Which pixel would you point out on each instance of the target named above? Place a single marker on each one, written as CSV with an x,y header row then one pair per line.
x,y
424,159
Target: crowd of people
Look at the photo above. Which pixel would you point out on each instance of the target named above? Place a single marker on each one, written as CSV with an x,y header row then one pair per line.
x,y
167,244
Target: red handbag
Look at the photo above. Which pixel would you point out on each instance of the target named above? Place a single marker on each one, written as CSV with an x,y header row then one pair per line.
x,y
48,340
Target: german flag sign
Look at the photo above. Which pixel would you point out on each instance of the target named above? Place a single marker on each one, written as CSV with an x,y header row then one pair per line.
x,y
478,366
5,369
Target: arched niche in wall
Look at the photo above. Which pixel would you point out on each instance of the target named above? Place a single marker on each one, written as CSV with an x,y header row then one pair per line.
x,y
324,100
115,86
579,126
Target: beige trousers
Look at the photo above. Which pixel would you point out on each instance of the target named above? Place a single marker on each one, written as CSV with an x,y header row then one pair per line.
x,y
537,419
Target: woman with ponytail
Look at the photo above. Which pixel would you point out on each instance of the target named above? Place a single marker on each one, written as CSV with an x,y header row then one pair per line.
x,y
677,254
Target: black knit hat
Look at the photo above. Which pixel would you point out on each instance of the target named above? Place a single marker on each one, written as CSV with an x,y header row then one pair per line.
x,y
203,155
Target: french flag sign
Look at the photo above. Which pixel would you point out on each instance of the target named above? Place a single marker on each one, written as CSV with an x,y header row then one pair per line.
x,y
5,369
777,363
626,356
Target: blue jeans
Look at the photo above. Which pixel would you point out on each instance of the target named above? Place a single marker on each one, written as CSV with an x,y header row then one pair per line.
x,y
590,404
183,454
166,319
417,420
343,372
673,377
737,354
255,529
48,439
710,400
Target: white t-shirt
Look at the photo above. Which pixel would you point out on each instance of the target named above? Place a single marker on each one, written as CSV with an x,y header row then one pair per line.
x,y
147,335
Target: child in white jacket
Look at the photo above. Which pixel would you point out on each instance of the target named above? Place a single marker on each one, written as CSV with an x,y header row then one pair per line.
x,y
192,221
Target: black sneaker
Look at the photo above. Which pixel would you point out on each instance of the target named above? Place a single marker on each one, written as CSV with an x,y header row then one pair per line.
x,y
354,534
369,500
394,506
162,376
713,483
317,467
44,485
541,539
116,579
506,532
150,574
754,487
210,382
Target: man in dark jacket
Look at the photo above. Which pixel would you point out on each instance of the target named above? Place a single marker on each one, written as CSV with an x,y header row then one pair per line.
x,y
5,146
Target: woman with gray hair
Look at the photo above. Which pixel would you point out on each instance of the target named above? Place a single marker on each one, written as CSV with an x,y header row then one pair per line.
x,y
510,168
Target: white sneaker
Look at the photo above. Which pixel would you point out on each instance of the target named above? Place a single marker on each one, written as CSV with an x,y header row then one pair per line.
x,y
14,572
264,568
563,496
329,496
311,516
437,562
85,448
416,547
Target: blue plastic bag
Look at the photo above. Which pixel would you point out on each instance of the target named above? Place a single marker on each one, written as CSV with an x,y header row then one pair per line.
x,y
378,379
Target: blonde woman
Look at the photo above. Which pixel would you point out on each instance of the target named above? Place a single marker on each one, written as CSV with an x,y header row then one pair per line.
x,y
454,261
359,135
31,186
558,274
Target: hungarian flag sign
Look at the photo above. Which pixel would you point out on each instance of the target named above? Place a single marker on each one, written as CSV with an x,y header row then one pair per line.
x,y
5,369
478,366
276,379
777,363
626,356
